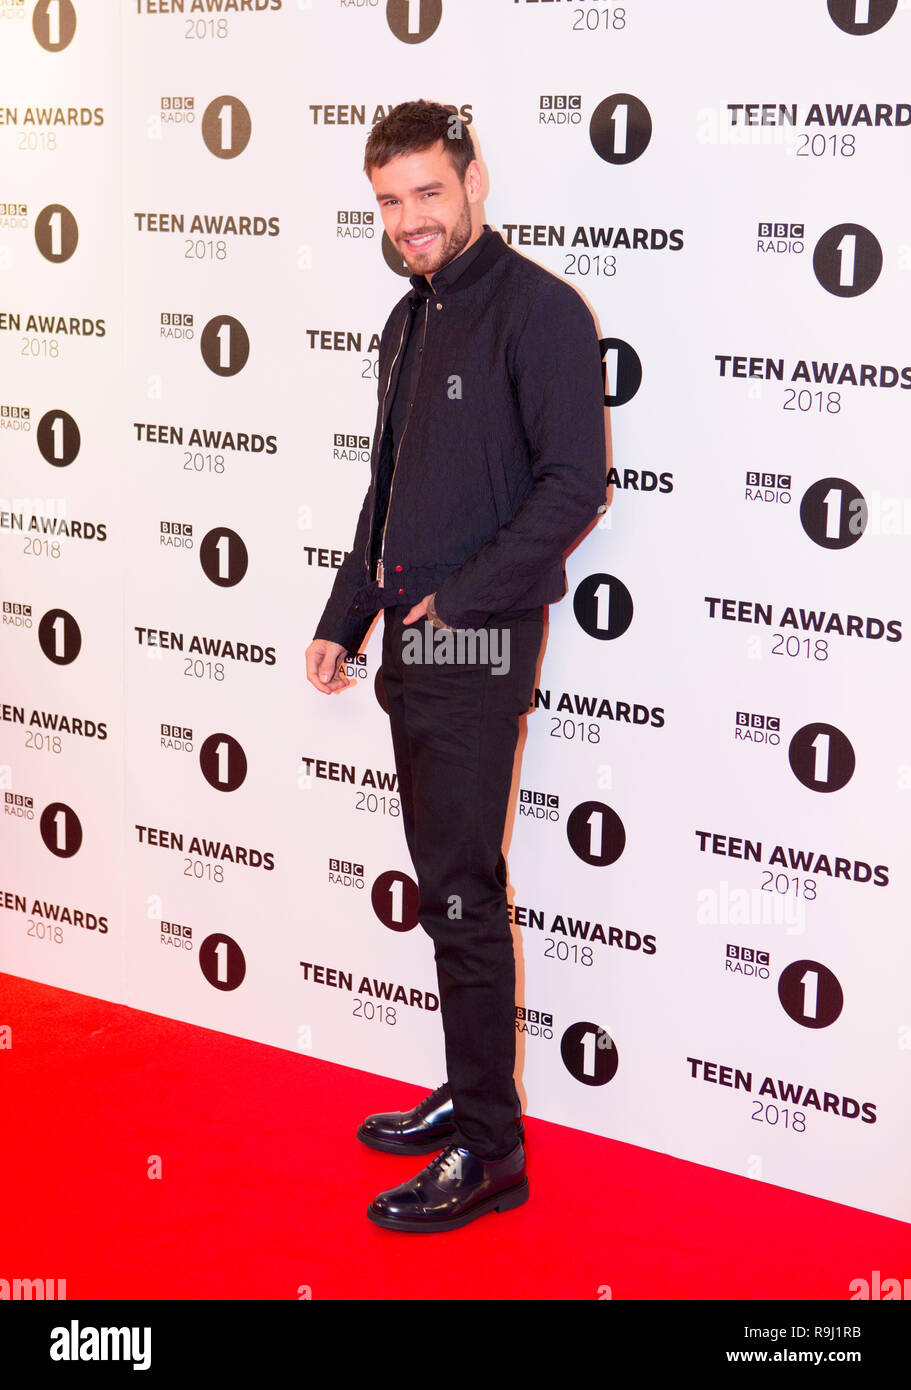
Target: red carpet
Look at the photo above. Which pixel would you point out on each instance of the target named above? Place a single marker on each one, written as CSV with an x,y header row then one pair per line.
x,y
264,1187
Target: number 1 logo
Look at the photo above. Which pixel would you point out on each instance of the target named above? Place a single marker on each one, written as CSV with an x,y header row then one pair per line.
x,y
847,260
223,556
834,513
394,897
57,437
223,762
61,830
225,345
620,128
603,606
822,757
589,1054
810,994
861,16
621,368
54,24
222,961
226,127
413,21
56,232
596,833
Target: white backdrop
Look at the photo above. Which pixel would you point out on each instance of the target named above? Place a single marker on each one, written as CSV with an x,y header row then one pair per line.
x,y
708,856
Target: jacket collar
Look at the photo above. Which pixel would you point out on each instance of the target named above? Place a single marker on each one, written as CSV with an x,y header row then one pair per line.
x,y
494,247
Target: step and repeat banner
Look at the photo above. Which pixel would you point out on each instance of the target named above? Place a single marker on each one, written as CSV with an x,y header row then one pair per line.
x,y
708,847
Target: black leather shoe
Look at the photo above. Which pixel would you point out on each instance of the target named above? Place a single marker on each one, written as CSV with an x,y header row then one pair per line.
x,y
429,1126
454,1188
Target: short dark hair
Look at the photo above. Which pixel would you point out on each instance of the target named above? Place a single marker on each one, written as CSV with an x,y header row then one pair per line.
x,y
417,125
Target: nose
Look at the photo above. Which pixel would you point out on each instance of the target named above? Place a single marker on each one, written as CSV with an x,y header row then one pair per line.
x,y
413,220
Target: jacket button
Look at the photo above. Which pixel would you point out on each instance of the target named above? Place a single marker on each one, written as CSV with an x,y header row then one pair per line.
x,y
398,568
401,591
439,306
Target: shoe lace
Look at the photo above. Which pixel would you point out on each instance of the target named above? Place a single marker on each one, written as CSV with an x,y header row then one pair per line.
x,y
437,1164
431,1101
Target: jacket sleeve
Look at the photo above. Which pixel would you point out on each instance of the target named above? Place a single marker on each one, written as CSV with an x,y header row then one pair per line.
x,y
338,623
559,387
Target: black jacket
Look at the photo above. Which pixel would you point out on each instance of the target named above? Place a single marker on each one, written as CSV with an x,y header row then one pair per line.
x,y
502,465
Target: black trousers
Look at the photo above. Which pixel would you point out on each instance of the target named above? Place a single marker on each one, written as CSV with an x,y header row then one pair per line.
x,y
454,731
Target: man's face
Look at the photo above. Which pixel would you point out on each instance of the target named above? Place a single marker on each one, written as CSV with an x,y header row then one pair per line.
x,y
425,207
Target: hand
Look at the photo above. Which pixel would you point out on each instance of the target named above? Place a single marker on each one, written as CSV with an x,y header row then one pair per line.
x,y
324,660
418,611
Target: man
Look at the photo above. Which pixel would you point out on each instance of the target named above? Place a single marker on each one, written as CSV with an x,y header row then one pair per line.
x,y
488,463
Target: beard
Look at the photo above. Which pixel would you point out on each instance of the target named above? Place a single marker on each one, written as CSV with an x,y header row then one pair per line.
x,y
444,249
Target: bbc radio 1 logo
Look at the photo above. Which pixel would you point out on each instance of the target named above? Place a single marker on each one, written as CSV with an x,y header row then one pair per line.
x,y
19,805
176,534
747,961
223,342
768,487
757,728
539,805
847,259
54,24
414,21
780,238
346,873
16,614
177,737
559,109
354,225
176,934
859,17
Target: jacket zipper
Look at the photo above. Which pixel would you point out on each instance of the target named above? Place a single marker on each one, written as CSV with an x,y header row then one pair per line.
x,y
382,428
380,574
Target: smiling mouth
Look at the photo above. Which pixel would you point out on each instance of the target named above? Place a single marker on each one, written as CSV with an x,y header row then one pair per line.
x,y
419,243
